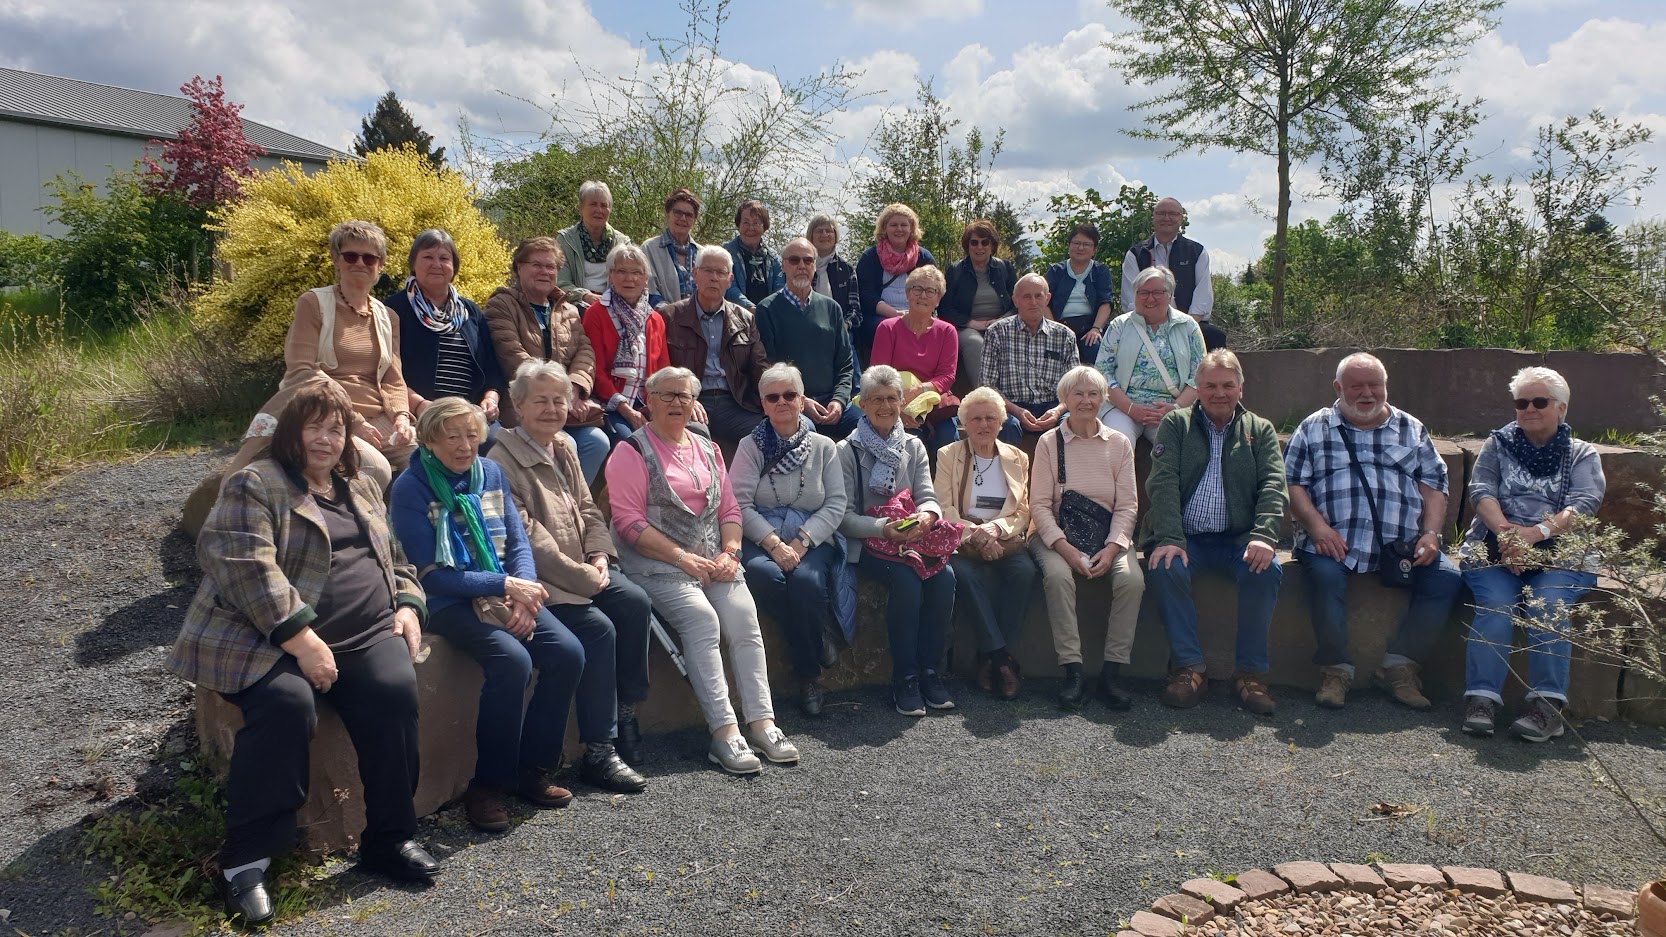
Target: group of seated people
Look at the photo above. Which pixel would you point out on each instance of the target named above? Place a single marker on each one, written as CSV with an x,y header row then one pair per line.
x,y
389,488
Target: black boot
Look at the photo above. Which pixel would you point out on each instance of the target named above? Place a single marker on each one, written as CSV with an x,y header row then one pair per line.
x,y
1115,696
1074,692
629,741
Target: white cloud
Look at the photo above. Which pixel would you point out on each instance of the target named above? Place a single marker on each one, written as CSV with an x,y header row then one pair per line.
x,y
912,12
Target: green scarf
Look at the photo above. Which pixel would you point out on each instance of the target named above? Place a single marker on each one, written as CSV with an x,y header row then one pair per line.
x,y
469,548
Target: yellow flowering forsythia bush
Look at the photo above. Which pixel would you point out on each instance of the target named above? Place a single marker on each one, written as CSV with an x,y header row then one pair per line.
x,y
276,238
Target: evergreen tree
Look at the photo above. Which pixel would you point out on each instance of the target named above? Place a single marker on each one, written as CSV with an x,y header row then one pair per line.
x,y
390,126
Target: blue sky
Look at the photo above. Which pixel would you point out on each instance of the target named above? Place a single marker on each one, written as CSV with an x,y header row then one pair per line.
x,y
314,67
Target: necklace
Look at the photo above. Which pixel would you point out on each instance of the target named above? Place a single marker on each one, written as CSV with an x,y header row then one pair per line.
x,y
323,492
977,471
771,479
677,454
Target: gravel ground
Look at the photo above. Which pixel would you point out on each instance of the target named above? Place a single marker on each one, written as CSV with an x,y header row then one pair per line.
x,y
999,819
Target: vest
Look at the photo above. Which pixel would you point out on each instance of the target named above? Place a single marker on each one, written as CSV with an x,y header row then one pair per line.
x,y
697,533
1183,255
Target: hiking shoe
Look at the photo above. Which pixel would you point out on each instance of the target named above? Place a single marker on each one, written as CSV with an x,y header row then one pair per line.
x,y
1252,694
1333,688
1402,684
1074,692
935,693
1185,688
734,755
1540,722
485,809
1480,715
905,695
537,787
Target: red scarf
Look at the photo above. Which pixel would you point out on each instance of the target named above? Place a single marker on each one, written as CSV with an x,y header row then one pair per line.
x,y
894,262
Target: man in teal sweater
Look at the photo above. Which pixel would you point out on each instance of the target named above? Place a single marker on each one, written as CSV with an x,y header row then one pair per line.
x,y
1217,498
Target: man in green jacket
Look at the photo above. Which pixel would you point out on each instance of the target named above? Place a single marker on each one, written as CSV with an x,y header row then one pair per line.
x,y
1217,498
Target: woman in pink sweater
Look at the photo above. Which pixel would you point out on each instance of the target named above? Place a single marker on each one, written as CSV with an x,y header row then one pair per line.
x,y
928,348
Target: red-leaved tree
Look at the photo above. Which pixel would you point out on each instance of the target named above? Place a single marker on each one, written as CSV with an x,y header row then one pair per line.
x,y
207,163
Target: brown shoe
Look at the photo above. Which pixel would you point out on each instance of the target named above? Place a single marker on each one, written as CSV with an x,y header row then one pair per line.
x,y
537,787
1185,688
1402,683
986,672
1252,694
1006,680
485,810
1333,688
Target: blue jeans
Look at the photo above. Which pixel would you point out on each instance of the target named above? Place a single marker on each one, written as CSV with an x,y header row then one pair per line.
x,y
993,596
847,419
616,428
593,446
1498,593
800,602
506,737
916,614
936,437
1434,589
1012,431
621,611
1257,594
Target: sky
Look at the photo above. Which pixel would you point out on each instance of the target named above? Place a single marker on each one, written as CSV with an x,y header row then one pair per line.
x,y
1035,68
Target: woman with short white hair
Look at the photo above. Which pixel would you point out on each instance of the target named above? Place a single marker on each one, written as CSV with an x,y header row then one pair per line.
x,y
1149,357
1083,502
791,492
584,276
678,529
628,339
1531,483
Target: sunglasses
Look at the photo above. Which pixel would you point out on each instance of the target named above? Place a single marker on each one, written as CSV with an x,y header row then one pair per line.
x,y
789,396
352,258
1537,403
797,259
978,242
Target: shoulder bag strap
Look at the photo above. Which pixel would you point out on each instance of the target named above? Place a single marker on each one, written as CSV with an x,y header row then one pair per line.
x,y
1359,473
1058,434
1156,360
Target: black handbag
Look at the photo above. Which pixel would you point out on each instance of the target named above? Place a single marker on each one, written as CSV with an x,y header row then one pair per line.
x,y
1086,523
1397,557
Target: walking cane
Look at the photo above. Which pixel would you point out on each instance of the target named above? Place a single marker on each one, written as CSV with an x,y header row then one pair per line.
x,y
665,641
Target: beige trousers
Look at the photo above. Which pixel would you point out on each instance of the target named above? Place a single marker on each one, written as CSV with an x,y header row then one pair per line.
x,y
1058,583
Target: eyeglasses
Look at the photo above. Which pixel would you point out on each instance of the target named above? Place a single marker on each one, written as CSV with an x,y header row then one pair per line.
x,y
352,258
798,259
543,267
882,401
674,396
925,290
628,272
1152,293
1168,214
790,396
713,271
682,213
1537,403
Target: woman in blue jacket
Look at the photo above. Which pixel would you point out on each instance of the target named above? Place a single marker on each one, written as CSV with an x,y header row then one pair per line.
x,y
445,347
1082,291
979,292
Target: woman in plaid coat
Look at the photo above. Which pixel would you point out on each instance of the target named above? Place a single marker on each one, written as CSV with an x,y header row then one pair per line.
x,y
305,593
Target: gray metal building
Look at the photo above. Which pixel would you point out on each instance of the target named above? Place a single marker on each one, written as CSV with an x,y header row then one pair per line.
x,y
49,125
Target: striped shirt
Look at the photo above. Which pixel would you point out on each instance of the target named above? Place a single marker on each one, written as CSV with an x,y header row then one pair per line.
x,y
456,374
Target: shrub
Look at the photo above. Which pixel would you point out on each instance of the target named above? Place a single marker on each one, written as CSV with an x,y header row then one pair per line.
x,y
28,260
276,239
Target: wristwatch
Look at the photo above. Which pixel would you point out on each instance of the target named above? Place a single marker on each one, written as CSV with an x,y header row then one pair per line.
x,y
1432,533
1544,531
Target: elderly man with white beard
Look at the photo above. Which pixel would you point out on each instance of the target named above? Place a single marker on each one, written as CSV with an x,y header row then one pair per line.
x,y
1363,474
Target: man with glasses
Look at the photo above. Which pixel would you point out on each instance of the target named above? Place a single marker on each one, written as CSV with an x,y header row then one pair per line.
x,y
718,341
1194,293
1346,463
806,329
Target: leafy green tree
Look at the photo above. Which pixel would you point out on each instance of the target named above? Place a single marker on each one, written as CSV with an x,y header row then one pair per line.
x,y
1282,77
1016,244
389,126
1120,222
916,162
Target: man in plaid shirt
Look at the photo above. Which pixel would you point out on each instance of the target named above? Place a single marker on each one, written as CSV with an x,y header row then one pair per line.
x,y
1024,356
1335,534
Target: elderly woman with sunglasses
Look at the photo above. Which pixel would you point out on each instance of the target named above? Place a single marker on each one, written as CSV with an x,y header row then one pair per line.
x,y
344,335
678,529
1532,481
791,492
979,292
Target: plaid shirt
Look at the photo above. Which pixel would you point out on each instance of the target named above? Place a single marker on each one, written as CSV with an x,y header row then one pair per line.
x,y
1026,367
1395,457
1206,512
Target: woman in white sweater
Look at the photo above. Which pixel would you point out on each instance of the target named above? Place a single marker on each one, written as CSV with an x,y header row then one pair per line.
x,y
791,492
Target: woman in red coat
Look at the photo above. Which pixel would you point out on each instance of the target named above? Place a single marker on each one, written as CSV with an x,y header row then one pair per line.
x,y
628,337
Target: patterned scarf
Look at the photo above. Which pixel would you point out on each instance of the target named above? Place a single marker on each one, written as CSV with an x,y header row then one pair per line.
x,y
469,548
593,252
448,318
630,361
756,271
783,456
895,262
682,258
886,452
1540,461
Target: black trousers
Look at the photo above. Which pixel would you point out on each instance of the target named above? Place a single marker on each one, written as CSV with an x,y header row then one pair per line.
x,y
1213,336
729,421
621,610
375,694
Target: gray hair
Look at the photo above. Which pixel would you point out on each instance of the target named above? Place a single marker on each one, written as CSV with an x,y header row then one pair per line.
x,y
659,378
818,221
713,252
986,396
432,422
592,187
537,369
881,375
1153,272
782,373
435,237
1553,382
1222,358
623,253
1361,359
1082,373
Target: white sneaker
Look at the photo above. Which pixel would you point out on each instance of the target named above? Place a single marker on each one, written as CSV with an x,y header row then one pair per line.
x,y
773,744
734,756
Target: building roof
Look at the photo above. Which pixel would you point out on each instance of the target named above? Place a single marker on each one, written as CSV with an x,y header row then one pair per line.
x,y
48,99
